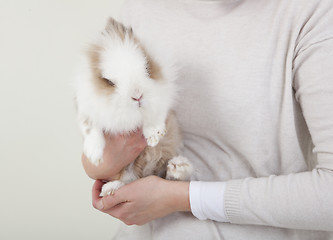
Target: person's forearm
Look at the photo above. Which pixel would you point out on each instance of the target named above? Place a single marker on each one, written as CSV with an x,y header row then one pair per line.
x,y
179,195
297,201
119,151
103,171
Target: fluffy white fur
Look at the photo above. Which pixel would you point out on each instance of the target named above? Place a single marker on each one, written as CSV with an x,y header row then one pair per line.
x,y
125,64
136,100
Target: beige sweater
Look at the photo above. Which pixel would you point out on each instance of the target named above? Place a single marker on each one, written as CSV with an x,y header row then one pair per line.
x,y
256,108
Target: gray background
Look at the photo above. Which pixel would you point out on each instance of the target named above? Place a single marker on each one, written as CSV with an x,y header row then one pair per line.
x,y
45,193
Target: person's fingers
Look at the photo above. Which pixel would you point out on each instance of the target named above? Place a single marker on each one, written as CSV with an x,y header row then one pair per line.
x,y
97,201
107,202
122,140
113,200
121,212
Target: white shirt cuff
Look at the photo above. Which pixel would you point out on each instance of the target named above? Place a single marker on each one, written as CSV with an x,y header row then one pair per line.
x,y
207,200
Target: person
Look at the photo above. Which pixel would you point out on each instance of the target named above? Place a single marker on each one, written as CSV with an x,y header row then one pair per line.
x,y
256,110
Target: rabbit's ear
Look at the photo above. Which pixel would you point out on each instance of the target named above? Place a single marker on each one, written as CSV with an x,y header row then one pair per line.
x,y
116,29
153,68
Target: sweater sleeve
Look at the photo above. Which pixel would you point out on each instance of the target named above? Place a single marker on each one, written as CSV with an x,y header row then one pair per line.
x,y
300,200
206,200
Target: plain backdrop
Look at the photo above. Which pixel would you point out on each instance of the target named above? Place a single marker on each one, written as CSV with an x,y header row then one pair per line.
x,y
45,193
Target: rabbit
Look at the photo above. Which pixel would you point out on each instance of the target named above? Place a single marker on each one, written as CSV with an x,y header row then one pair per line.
x,y
120,88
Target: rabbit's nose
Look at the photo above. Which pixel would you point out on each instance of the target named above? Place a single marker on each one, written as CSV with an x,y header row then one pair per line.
x,y
138,99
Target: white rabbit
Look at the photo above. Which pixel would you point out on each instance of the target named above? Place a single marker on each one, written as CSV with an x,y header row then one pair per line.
x,y
120,89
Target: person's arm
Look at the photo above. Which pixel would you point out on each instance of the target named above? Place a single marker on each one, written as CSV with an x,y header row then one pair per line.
x,y
120,150
299,200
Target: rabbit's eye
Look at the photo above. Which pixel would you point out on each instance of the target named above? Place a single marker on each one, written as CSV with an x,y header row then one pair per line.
x,y
108,81
148,70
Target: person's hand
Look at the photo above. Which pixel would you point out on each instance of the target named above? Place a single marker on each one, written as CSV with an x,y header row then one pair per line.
x,y
119,151
143,200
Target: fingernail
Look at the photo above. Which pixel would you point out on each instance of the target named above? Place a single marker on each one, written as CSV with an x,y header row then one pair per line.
x,y
100,205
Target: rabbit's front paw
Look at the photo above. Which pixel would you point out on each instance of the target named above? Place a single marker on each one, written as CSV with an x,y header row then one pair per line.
x,y
110,187
154,135
179,168
93,148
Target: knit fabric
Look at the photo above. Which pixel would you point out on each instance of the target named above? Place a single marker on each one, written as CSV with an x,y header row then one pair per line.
x,y
256,109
